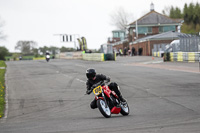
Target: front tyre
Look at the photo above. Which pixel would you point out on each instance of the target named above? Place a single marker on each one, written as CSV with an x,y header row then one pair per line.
x,y
124,109
105,111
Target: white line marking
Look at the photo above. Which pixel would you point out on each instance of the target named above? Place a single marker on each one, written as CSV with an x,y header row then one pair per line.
x,y
66,75
6,97
152,62
80,65
76,78
80,80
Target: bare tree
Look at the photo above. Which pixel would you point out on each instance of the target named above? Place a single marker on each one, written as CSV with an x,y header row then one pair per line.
x,y
120,18
2,36
26,47
166,10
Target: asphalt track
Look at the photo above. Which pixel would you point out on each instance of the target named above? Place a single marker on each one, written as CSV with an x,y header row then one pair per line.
x,y
49,97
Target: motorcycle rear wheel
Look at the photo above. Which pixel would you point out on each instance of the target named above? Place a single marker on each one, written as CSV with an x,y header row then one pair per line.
x,y
124,109
105,111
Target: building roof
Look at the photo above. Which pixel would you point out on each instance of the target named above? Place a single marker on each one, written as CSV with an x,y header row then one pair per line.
x,y
119,42
154,17
118,31
170,35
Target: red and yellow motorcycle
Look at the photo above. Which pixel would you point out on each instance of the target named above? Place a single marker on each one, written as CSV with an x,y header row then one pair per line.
x,y
107,101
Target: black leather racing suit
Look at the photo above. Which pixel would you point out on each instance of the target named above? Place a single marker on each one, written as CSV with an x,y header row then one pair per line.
x,y
100,77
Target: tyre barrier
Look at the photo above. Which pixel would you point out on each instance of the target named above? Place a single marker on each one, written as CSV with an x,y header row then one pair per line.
x,y
182,56
171,58
93,56
70,55
86,56
158,54
110,57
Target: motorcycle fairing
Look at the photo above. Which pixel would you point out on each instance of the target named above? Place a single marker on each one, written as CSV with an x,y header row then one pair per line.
x,y
115,110
107,91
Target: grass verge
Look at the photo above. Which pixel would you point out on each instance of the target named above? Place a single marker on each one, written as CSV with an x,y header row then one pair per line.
x,y
2,87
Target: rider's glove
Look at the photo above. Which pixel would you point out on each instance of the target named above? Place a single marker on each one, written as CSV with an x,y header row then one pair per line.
x,y
88,92
108,79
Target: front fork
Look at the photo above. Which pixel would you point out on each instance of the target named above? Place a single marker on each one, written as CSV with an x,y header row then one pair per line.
x,y
104,98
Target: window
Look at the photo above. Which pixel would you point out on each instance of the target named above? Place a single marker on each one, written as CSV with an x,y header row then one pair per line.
x,y
115,34
143,30
167,28
119,34
149,29
122,35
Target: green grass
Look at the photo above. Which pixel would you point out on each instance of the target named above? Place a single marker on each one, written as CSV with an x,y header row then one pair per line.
x,y
2,64
27,57
8,57
2,88
23,57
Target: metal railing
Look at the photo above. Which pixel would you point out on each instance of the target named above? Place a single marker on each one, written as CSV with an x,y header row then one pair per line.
x,y
186,43
189,43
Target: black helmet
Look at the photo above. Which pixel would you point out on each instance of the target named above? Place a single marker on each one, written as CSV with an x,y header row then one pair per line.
x,y
90,73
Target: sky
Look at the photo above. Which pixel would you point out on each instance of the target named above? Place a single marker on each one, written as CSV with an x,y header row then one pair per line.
x,y
42,20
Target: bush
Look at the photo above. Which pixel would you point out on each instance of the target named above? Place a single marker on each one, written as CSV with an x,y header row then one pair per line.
x,y
15,56
36,55
2,64
3,53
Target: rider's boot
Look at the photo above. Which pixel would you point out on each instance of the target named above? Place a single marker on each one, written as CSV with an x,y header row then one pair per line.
x,y
122,99
120,95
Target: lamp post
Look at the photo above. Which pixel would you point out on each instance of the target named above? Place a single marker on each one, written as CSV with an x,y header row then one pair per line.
x,y
136,28
199,62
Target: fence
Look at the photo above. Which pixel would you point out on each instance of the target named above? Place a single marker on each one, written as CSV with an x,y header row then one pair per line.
x,y
159,49
186,43
187,48
189,43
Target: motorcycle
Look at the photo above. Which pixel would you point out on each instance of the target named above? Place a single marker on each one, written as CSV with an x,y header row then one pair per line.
x,y
107,101
47,58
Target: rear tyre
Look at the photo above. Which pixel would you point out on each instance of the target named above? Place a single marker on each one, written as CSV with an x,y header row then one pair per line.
x,y
105,111
124,109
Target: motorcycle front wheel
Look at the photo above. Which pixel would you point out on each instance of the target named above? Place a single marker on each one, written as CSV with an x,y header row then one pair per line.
x,y
103,108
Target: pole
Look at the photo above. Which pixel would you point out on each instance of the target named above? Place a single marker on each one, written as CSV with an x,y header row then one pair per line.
x,y
136,30
75,42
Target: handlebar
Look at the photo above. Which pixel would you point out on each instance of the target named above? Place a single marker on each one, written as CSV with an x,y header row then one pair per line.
x,y
97,84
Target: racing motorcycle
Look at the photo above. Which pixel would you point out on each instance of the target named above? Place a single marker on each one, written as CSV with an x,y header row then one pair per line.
x,y
107,101
47,58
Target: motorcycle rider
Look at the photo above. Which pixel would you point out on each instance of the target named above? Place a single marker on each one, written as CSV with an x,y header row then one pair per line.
x,y
47,53
94,78
47,56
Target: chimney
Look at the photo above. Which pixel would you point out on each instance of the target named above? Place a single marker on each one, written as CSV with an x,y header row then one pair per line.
x,y
152,7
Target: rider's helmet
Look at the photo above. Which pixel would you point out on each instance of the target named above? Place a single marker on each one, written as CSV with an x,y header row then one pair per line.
x,y
90,73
